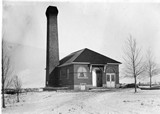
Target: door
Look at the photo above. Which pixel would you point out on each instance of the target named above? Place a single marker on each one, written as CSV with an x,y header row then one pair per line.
x,y
99,78
110,80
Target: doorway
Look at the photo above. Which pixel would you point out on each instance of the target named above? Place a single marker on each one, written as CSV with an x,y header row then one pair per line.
x,y
110,80
97,77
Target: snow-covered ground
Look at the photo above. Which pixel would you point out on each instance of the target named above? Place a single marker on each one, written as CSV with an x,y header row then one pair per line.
x,y
119,101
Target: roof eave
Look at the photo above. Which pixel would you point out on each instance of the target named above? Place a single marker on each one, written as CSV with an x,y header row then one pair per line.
x,y
115,63
73,63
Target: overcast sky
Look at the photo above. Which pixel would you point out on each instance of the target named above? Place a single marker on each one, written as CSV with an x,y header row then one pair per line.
x,y
99,26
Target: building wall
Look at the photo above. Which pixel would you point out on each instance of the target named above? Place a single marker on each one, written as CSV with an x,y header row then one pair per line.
x,y
53,82
88,80
66,76
78,81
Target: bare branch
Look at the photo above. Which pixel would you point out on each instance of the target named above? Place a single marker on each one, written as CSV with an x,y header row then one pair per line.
x,y
132,59
150,65
17,85
7,69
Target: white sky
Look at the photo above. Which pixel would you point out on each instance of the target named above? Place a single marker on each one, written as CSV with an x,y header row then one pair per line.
x,y
99,26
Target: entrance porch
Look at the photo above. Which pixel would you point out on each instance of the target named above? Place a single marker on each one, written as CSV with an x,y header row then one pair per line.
x,y
103,77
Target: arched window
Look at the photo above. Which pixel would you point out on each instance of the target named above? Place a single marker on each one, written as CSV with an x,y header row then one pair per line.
x,y
110,70
82,72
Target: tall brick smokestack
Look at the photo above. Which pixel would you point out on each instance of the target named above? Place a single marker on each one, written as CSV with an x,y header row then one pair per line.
x,y
52,42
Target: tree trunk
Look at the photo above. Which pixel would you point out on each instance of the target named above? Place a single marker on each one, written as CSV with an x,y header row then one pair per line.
x,y
150,81
17,96
3,99
135,79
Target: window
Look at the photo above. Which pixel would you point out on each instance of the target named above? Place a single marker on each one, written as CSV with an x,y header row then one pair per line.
x,y
112,76
60,77
108,77
82,73
62,74
67,73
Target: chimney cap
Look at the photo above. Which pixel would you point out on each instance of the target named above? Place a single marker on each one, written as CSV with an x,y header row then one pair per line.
x,y
51,10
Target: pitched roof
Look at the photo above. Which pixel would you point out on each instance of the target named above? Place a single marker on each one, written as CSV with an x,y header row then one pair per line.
x,y
87,55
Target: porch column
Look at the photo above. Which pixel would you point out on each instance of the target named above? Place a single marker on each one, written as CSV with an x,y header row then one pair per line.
x,y
90,68
104,68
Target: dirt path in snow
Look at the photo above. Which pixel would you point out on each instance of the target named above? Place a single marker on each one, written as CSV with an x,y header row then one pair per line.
x,y
109,102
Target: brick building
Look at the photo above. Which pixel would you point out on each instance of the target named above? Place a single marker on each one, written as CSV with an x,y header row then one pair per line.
x,y
86,69
80,70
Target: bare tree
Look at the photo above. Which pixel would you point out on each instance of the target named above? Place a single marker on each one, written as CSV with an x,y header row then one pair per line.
x,y
6,69
151,66
133,60
17,84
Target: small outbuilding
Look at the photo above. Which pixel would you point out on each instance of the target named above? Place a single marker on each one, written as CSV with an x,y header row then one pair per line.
x,y
86,69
